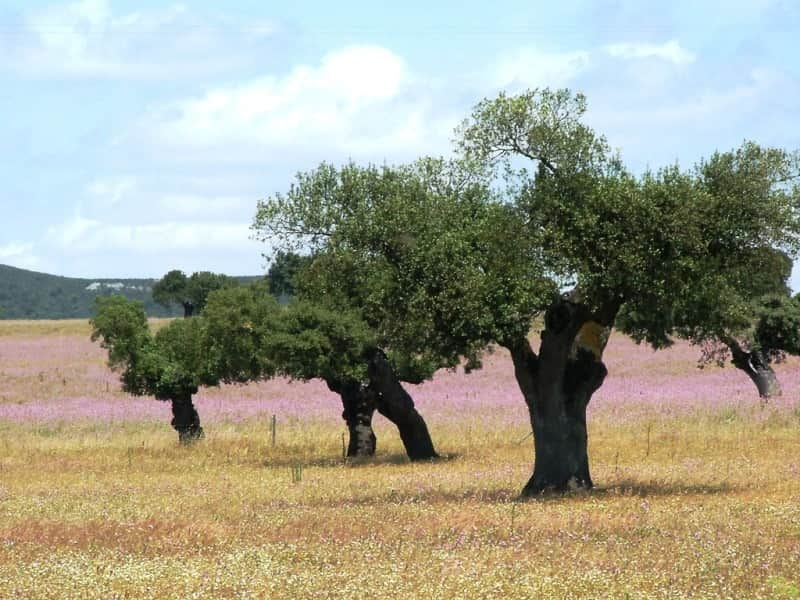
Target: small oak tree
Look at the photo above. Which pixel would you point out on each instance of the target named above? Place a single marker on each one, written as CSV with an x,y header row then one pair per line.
x,y
169,365
755,332
225,344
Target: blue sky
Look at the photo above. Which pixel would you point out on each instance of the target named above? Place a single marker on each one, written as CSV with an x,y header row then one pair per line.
x,y
137,136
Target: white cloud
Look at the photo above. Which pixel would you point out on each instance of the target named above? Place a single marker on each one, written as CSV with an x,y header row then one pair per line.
x,y
19,255
14,249
86,39
80,235
533,67
319,99
187,205
73,231
670,51
358,100
109,192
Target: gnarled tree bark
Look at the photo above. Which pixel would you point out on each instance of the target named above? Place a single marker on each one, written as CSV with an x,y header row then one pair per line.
x,y
358,402
185,419
557,386
394,403
757,368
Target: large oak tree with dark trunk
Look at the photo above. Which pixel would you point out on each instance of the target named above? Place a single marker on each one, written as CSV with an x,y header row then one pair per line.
x,y
667,249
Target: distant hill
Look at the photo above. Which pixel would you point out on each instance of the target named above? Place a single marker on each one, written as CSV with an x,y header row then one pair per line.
x,y
31,295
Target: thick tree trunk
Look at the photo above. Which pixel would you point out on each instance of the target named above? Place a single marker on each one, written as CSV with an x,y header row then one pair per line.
x,y
188,309
394,403
557,386
358,402
185,420
560,436
562,460
758,370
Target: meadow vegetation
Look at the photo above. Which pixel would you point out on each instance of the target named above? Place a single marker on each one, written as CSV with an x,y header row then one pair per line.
x,y
414,293
697,489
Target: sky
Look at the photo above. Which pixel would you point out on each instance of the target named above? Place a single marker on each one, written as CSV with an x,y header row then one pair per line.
x,y
136,137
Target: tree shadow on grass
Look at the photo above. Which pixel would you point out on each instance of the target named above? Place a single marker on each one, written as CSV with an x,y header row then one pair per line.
x,y
512,496
427,494
633,489
434,497
353,462
659,489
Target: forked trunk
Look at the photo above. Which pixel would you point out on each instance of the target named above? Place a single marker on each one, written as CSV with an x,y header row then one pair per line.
x,y
558,385
358,402
394,403
185,420
758,370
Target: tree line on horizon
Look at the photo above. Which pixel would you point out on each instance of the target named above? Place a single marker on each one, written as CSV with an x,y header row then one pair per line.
x,y
28,294
399,271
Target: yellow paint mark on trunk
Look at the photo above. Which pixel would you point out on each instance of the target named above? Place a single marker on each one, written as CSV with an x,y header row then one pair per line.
x,y
592,337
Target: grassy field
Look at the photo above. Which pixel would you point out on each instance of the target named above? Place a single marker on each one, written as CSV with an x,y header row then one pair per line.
x,y
698,488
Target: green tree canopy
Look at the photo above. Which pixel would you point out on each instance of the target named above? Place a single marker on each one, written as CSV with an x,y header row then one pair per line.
x,y
439,271
238,323
170,365
282,273
397,245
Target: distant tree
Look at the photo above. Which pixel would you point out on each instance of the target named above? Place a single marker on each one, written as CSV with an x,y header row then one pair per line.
x,y
189,292
172,289
773,333
282,273
202,283
169,365
754,332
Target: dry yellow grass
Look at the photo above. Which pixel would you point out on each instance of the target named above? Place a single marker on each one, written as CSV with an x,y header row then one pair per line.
x,y
41,327
709,507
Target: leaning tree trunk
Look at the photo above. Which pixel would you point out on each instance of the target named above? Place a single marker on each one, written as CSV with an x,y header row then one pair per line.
x,y
557,386
394,403
185,419
358,402
757,368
